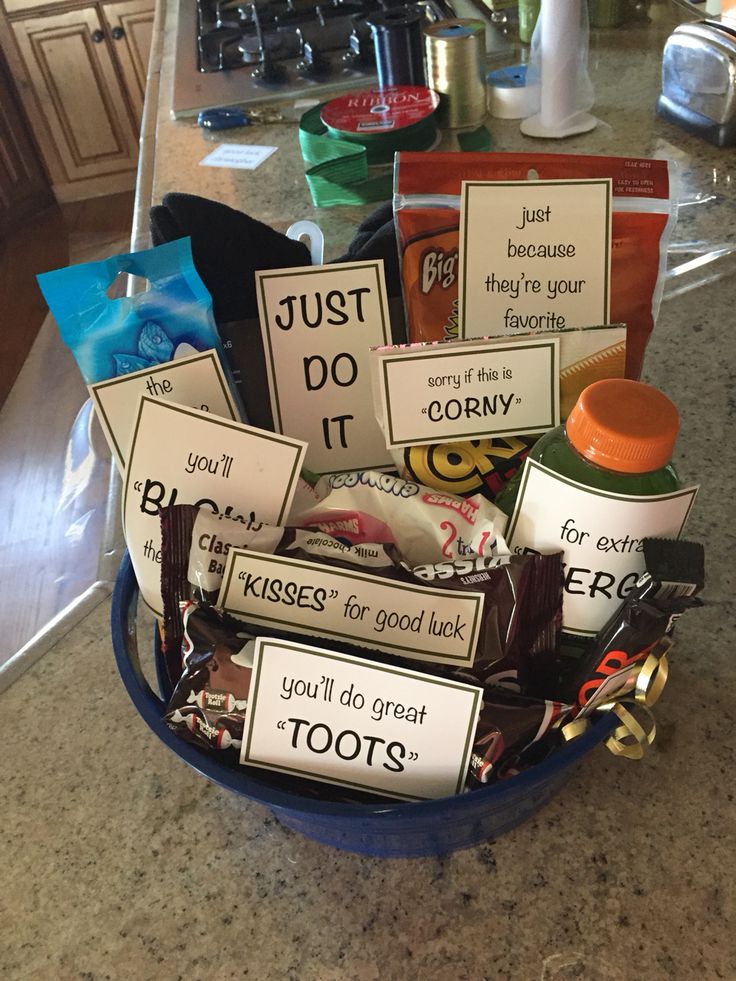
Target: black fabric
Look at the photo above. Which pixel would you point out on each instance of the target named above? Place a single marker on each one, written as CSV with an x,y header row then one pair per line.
x,y
228,246
376,239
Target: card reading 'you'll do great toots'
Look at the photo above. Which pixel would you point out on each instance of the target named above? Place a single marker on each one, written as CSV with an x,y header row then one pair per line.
x,y
340,719
180,455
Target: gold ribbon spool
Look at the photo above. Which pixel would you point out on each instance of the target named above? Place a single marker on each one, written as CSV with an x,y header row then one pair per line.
x,y
455,55
631,738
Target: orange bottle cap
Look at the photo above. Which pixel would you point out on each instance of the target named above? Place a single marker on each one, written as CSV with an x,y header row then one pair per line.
x,y
624,426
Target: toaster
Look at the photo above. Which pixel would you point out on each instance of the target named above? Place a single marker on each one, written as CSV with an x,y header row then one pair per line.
x,y
699,80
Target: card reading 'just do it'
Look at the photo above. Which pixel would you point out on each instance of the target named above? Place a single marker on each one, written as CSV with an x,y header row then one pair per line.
x,y
180,455
318,324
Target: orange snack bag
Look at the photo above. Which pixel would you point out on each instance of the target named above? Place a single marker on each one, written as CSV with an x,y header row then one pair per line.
x,y
427,210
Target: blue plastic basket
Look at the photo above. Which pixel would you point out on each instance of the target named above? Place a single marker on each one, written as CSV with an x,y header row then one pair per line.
x,y
396,830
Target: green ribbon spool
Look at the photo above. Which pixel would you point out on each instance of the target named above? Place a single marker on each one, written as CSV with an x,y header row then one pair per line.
x,y
338,162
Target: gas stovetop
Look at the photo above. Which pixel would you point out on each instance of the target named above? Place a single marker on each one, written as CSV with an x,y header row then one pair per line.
x,y
242,52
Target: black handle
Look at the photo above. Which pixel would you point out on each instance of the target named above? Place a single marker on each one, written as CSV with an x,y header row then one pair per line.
x,y
98,36
117,33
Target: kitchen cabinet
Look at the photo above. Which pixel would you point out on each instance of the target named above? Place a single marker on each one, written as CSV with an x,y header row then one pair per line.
x,y
130,26
81,73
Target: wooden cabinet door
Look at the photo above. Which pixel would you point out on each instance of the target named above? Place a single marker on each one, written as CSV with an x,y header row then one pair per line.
x,y
130,24
68,60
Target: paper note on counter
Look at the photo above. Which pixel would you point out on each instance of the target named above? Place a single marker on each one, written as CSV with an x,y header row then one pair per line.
x,y
238,155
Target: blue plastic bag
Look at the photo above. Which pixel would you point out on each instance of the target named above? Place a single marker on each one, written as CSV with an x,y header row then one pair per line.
x,y
110,337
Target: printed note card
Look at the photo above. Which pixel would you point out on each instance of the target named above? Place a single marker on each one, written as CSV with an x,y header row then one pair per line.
x,y
547,264
318,325
180,455
414,621
460,390
197,381
339,719
238,156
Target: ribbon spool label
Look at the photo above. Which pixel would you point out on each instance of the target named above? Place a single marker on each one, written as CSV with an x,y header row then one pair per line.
x,y
380,110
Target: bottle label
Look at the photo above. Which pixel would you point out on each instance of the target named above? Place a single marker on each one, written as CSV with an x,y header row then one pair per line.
x,y
600,534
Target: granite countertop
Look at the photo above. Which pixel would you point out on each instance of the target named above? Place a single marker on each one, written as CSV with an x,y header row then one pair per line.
x,y
121,862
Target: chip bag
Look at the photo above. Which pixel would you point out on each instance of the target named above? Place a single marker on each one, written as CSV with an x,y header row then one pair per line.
x,y
427,211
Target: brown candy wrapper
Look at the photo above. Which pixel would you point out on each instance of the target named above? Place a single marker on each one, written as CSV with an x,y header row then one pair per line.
x,y
508,726
209,703
195,546
522,613
522,608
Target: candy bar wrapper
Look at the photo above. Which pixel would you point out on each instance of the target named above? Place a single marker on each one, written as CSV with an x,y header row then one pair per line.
x,y
673,578
208,705
475,466
508,726
522,607
195,545
425,525
522,613
522,610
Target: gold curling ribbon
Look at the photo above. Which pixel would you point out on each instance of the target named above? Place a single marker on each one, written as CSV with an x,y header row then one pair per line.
x,y
575,728
652,677
630,739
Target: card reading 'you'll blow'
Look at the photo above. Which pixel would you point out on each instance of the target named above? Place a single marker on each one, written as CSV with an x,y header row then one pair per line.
x,y
180,455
